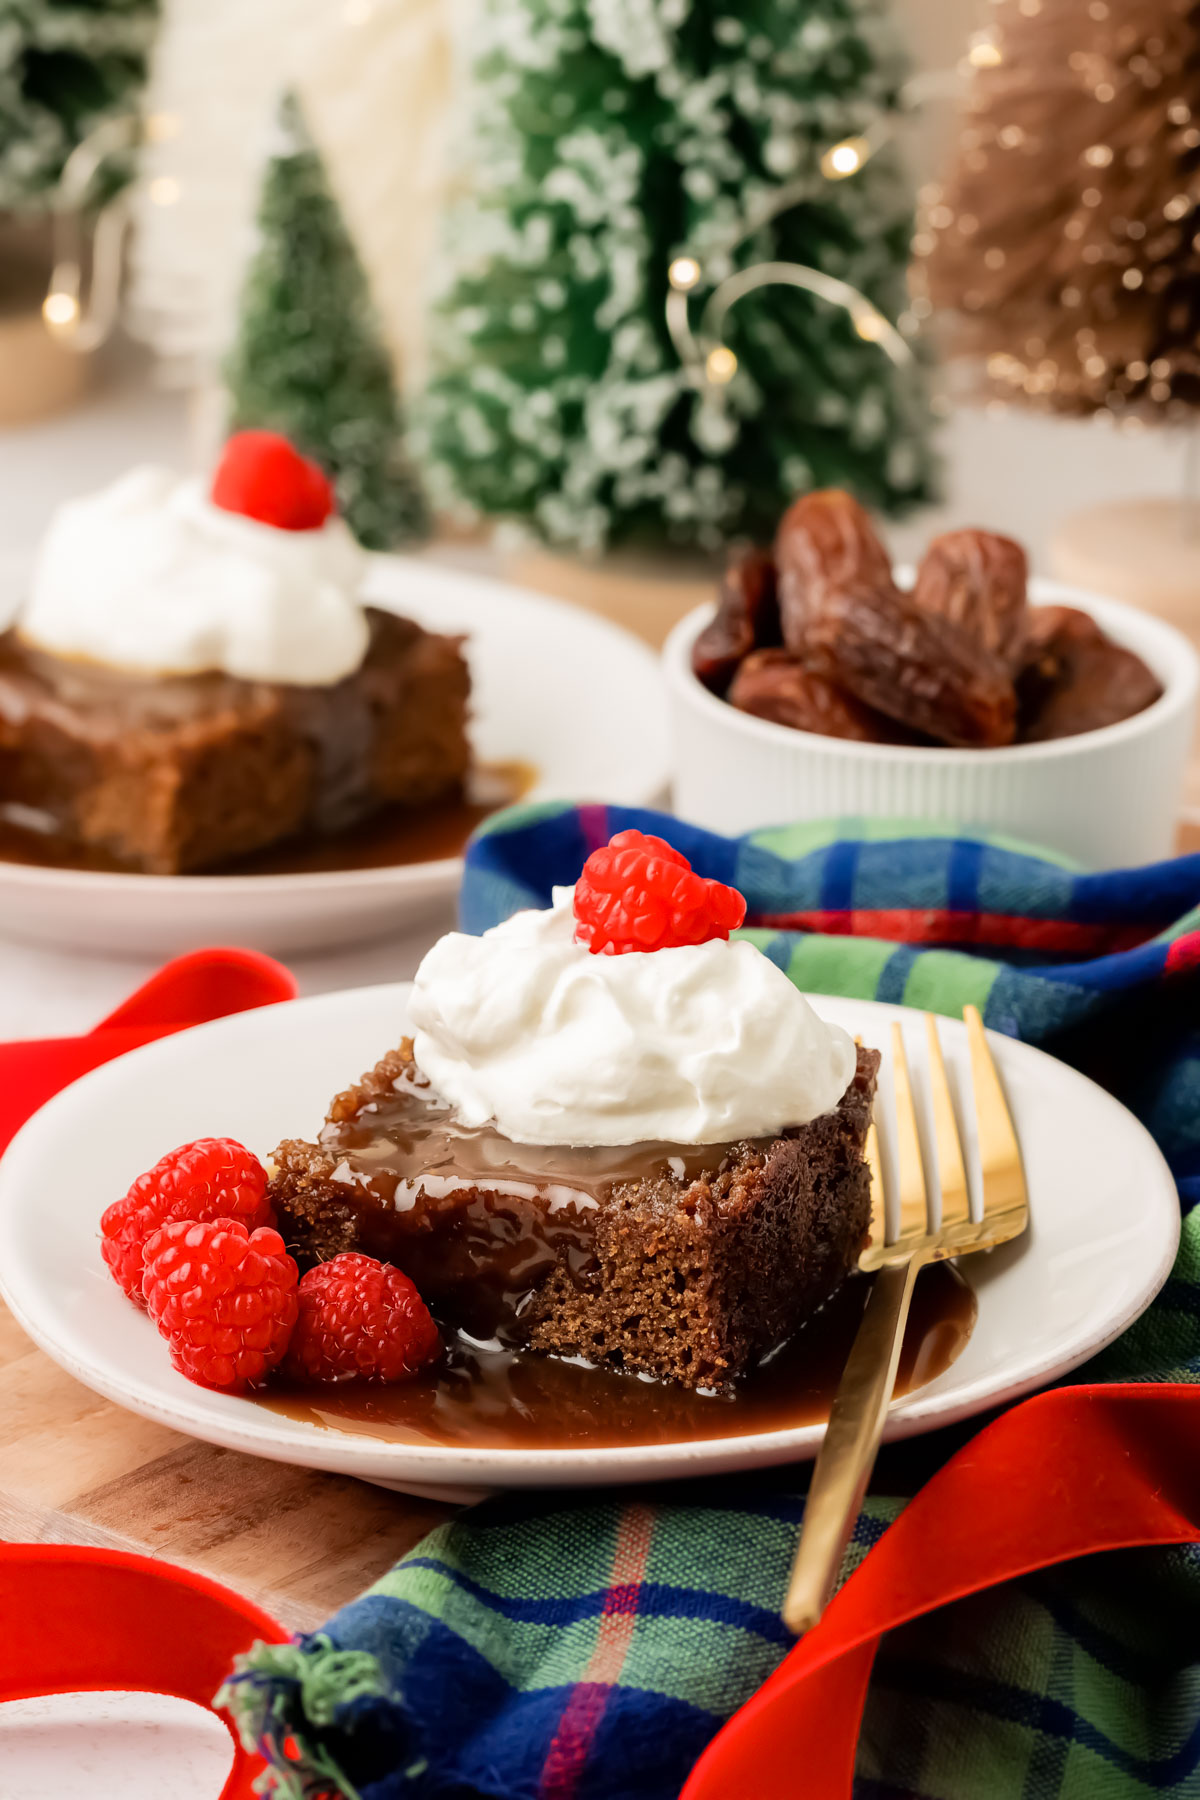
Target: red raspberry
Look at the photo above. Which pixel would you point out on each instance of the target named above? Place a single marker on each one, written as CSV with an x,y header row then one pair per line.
x,y
223,1297
214,1178
262,476
360,1320
639,894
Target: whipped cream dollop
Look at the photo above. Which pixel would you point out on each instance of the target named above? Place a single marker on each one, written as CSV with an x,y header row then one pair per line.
x,y
149,575
527,1030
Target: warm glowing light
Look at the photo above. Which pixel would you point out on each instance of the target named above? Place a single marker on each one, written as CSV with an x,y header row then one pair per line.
x,y
684,273
60,309
357,12
164,190
721,365
870,325
984,52
161,127
844,159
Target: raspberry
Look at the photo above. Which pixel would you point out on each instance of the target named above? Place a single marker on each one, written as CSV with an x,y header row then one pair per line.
x,y
360,1319
261,476
212,1178
640,894
223,1297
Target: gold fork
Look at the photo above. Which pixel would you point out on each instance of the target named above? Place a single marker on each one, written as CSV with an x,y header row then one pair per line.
x,y
856,1419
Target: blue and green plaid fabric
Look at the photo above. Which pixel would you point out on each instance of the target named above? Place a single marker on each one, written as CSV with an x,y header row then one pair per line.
x,y
550,1648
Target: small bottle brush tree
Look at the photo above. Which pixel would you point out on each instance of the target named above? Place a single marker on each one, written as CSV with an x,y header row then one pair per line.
x,y
64,69
1065,245
309,359
613,136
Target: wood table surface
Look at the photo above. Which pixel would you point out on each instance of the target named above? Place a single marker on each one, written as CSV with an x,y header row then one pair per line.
x,y
75,1468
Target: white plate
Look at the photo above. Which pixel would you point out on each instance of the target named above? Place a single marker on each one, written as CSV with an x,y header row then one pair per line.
x,y
1105,1226
555,687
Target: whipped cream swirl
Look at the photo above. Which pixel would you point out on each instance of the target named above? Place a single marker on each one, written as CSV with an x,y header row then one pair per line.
x,y
148,575
526,1030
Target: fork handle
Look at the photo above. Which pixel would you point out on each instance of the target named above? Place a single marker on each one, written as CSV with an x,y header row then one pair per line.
x,y
847,1453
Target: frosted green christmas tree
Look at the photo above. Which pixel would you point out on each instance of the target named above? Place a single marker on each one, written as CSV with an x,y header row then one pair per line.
x,y
612,137
310,360
64,69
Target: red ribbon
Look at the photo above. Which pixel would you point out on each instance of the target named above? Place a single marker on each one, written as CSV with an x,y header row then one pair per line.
x,y
205,985
107,1619
1068,1473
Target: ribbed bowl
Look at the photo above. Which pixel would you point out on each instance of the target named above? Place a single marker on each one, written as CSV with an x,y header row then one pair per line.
x,y
1109,799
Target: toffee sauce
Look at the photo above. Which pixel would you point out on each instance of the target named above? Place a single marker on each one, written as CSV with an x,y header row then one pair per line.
x,y
514,1400
477,1221
403,1164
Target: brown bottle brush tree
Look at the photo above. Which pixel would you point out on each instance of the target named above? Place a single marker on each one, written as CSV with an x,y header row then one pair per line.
x,y
1064,244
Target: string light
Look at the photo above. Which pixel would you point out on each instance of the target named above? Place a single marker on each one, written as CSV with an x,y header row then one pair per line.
x,y
60,308
78,327
850,154
684,273
162,127
708,360
984,52
844,159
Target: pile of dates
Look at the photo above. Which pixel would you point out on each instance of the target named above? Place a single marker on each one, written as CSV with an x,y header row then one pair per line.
x,y
818,636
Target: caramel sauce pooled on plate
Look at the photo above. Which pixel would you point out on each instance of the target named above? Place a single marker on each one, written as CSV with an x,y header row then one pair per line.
x,y
486,1398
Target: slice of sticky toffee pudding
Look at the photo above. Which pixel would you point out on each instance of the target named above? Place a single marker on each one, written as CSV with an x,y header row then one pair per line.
x,y
685,1262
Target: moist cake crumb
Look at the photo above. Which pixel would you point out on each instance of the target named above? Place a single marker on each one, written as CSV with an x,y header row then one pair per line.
x,y
685,1263
170,774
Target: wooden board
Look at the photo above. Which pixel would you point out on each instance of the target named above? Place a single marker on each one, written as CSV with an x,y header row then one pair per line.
x,y
76,1469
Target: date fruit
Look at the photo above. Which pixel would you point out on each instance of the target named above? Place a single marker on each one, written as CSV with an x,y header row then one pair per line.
x,y
774,684
977,579
825,540
916,667
1075,679
747,616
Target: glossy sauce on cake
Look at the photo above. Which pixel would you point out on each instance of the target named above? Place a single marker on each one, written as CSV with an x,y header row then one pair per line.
x,y
477,1221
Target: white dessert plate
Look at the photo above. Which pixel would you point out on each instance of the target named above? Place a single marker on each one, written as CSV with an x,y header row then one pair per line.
x,y
574,699
1103,1235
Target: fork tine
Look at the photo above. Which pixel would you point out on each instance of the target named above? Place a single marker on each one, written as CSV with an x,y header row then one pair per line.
x,y
956,1199
999,1152
914,1217
871,1157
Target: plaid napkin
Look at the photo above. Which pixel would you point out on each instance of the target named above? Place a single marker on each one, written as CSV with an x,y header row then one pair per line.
x,y
588,1649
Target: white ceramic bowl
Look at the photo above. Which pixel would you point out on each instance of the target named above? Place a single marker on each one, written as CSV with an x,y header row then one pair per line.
x,y
1109,799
